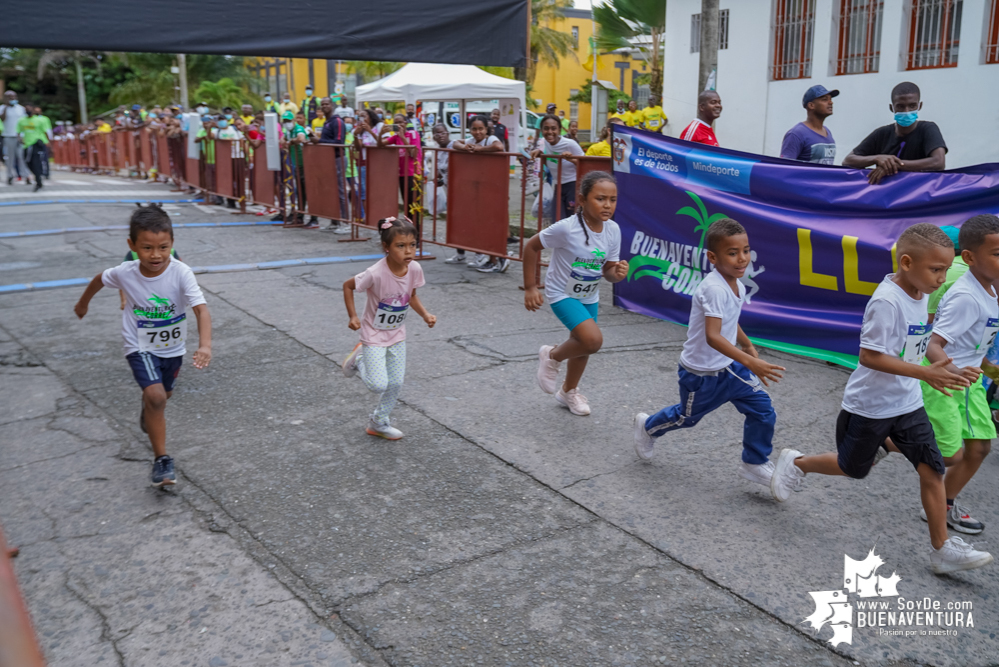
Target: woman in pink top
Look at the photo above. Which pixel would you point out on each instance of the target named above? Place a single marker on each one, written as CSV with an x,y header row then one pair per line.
x,y
391,286
410,161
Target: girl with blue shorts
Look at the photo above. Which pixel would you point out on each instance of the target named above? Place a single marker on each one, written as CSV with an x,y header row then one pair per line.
x,y
585,247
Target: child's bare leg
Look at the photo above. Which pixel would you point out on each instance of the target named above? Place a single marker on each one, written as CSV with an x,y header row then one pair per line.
x,y
822,464
965,467
574,372
931,490
584,340
891,446
154,400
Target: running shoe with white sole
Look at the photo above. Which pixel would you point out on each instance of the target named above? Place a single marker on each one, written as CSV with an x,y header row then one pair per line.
x,y
572,399
350,363
547,370
504,264
760,473
387,432
956,555
787,477
881,454
645,445
456,259
478,260
959,519
163,473
341,229
491,267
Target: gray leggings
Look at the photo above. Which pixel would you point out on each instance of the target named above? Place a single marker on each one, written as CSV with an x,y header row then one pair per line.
x,y
12,151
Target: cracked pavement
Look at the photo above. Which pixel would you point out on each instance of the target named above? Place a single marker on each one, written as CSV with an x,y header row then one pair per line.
x,y
501,530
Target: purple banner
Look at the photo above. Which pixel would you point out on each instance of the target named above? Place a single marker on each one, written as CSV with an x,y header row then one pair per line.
x,y
822,237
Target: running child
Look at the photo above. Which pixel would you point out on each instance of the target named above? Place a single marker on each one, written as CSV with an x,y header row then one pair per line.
x,y
713,371
159,289
964,328
883,404
391,284
585,248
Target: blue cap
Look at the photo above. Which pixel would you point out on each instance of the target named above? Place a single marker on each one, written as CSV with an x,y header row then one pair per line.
x,y
136,107
816,92
953,233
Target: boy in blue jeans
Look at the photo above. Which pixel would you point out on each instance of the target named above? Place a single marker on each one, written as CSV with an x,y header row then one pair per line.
x,y
713,371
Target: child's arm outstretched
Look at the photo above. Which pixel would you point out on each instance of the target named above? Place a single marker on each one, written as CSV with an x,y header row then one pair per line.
x,y
203,355
532,252
348,299
935,375
84,303
935,352
747,356
417,306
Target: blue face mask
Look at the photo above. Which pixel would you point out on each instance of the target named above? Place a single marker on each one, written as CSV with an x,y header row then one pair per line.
x,y
223,124
907,118
228,116
267,98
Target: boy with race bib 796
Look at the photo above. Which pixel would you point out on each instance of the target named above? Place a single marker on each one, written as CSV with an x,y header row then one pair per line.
x,y
158,289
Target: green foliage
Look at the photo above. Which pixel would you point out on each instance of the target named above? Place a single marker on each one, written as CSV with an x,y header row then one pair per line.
x,y
372,70
623,24
585,95
548,45
222,93
700,215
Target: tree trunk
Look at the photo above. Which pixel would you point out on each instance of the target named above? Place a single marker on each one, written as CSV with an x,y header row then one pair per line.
x,y
656,82
709,43
81,90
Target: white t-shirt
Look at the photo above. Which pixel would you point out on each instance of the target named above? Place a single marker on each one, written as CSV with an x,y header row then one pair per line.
x,y
14,113
712,298
563,145
576,266
343,112
894,324
155,317
488,140
232,134
967,318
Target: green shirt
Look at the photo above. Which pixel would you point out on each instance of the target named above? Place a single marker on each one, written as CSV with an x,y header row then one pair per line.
x,y
32,130
351,165
46,122
956,270
207,146
295,149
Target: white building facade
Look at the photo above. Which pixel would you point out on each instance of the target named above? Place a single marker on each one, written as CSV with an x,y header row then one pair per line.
x,y
772,51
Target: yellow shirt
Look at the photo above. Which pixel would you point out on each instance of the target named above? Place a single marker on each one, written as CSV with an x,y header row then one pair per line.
x,y
105,128
654,118
599,149
247,119
317,124
633,118
288,106
623,116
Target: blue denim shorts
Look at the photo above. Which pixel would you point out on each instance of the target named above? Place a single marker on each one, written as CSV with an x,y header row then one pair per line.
x,y
572,313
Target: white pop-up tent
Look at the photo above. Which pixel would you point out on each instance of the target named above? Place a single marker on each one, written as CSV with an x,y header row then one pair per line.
x,y
439,82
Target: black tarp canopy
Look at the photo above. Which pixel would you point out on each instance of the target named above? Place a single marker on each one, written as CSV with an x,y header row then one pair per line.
x,y
434,31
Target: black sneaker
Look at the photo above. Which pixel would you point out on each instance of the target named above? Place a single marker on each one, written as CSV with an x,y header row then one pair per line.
x,y
38,186
163,474
142,418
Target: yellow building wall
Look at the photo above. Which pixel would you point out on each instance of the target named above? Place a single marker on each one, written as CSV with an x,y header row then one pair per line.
x,y
553,84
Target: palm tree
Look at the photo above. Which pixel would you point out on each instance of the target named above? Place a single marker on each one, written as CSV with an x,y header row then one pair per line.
x,y
372,70
222,93
701,216
548,45
623,24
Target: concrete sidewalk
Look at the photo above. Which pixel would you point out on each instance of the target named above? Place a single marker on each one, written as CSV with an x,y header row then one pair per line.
x,y
501,530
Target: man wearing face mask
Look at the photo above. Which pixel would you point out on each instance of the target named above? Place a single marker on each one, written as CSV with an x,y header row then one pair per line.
x,y
202,108
287,105
310,106
10,113
908,144
270,106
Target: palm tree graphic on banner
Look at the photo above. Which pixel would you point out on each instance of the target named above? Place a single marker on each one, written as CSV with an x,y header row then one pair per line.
x,y
659,266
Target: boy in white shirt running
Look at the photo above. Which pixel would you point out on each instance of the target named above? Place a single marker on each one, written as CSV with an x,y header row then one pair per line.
x,y
159,289
882,403
713,371
965,325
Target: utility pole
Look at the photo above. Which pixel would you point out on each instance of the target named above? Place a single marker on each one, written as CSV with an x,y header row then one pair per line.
x,y
594,93
182,64
81,90
709,43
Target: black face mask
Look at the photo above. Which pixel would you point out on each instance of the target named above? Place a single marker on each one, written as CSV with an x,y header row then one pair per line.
x,y
410,113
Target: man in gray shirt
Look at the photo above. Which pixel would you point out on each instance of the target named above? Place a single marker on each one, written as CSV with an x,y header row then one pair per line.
x,y
11,113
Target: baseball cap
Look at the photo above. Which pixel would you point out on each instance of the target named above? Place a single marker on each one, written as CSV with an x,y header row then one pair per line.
x,y
952,233
816,92
550,106
136,107
288,116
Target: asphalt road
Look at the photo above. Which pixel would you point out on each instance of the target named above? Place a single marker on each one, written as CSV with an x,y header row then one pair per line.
x,y
501,530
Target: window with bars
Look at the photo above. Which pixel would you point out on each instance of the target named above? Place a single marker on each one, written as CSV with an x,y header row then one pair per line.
x,y
575,37
695,31
859,36
992,39
934,33
793,35
573,106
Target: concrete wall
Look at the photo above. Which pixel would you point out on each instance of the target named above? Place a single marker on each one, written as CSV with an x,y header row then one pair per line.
x,y
963,101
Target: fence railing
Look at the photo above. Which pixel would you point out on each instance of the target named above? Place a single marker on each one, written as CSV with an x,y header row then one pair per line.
x,y
467,201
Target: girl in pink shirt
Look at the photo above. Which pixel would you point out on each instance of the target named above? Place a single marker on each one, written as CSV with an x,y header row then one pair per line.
x,y
391,286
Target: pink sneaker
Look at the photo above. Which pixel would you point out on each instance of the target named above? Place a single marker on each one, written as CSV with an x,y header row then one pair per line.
x,y
350,363
573,400
547,370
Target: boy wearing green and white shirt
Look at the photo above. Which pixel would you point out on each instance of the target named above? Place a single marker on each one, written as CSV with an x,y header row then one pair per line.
x,y
964,327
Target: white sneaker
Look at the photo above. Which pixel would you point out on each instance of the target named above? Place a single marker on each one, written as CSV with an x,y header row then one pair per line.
x,y
341,229
387,432
572,399
478,260
956,555
645,445
350,363
456,259
787,477
761,473
881,454
547,370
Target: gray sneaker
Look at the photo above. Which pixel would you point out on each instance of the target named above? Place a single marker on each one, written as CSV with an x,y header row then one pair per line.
x,y
959,519
645,446
956,555
350,363
387,432
456,259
